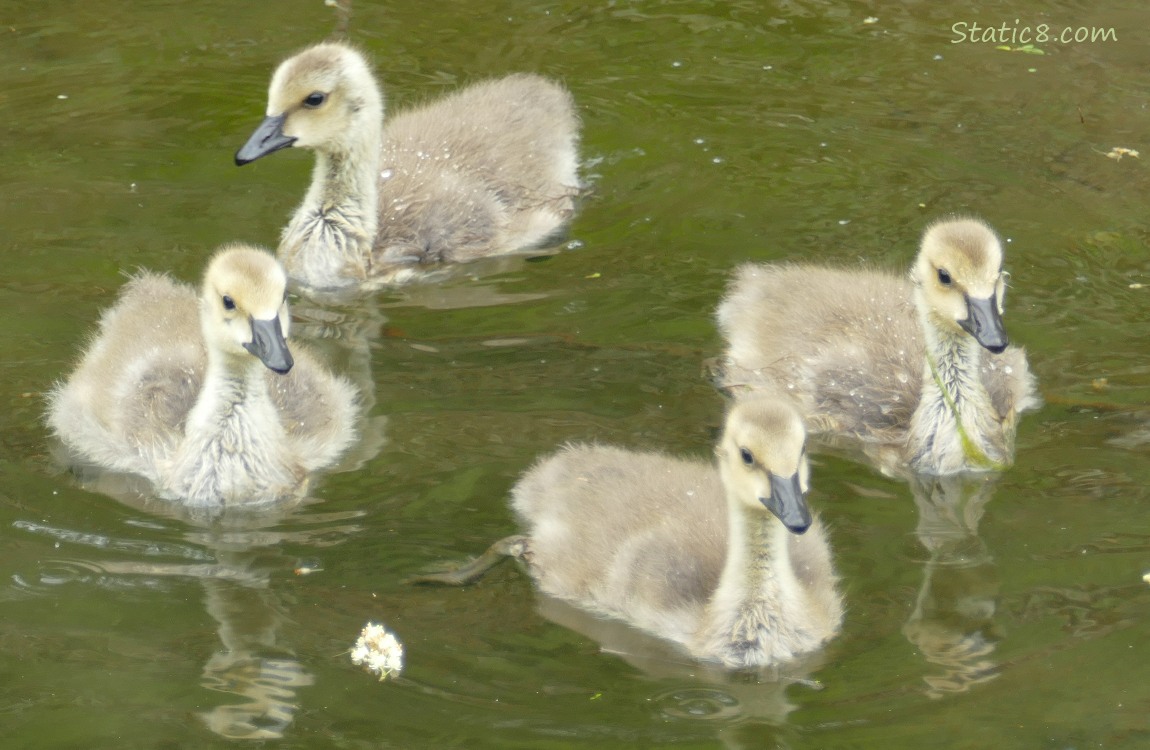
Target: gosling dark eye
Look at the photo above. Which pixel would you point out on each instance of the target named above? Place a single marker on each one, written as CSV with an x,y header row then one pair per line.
x,y
314,99
747,456
944,277
229,303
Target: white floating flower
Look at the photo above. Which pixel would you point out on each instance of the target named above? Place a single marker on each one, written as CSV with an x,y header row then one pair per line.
x,y
379,651
1118,152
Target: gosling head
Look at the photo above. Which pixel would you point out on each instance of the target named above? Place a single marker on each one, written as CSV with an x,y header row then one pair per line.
x,y
318,99
763,460
244,306
960,279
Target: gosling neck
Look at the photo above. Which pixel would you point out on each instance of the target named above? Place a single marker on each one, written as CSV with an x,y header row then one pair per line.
x,y
329,240
232,450
757,558
234,395
955,427
750,620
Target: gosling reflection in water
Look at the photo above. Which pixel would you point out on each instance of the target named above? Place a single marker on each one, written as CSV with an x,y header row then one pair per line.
x,y
687,689
253,663
953,620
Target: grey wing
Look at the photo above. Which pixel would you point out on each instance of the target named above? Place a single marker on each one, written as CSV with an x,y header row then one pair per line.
x,y
317,409
1012,386
126,403
155,417
844,346
635,534
493,164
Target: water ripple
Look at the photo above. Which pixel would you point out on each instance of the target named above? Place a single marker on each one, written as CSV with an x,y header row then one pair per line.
x,y
147,548
707,704
56,573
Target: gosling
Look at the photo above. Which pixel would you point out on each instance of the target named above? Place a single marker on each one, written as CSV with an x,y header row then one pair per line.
x,y
726,561
486,170
920,367
201,396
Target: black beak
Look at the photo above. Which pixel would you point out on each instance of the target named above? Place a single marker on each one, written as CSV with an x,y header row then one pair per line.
x,y
788,504
269,345
269,137
985,324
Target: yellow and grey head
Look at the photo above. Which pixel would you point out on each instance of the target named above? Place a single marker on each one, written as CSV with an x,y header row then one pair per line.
x,y
762,457
960,279
320,98
244,305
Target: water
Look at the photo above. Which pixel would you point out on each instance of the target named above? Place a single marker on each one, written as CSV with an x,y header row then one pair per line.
x,y
1002,614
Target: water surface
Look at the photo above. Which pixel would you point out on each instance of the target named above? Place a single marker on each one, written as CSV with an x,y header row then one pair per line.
x,y
1004,613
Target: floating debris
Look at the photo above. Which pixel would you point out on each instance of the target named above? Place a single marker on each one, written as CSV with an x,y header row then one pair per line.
x,y
1118,152
1028,49
378,651
306,569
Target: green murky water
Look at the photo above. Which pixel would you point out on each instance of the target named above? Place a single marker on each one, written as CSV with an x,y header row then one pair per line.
x,y
1009,614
